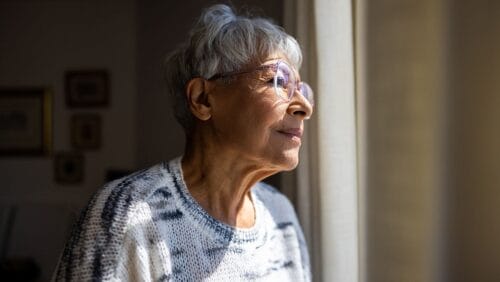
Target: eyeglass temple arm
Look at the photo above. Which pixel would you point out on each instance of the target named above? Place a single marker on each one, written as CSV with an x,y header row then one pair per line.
x,y
233,73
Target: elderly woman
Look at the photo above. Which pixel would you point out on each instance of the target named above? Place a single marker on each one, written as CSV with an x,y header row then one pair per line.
x,y
205,215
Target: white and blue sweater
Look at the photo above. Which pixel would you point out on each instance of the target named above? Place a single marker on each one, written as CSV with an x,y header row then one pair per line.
x,y
147,227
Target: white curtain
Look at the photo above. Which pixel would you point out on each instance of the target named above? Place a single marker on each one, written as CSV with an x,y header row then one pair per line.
x,y
327,176
336,140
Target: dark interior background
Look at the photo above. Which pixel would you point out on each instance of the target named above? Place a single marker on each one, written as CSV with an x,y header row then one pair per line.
x,y
40,40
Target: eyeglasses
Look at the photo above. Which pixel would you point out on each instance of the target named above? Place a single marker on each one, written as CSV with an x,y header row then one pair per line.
x,y
284,81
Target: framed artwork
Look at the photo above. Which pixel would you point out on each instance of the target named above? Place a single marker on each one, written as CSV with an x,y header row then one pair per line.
x,y
86,131
68,168
25,121
87,88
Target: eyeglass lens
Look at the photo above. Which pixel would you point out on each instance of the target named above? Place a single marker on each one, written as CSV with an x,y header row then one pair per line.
x,y
285,84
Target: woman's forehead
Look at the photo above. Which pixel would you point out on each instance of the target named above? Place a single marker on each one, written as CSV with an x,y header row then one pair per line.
x,y
273,58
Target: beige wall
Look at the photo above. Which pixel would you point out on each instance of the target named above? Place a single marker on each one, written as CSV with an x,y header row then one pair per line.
x,y
404,92
431,131
474,162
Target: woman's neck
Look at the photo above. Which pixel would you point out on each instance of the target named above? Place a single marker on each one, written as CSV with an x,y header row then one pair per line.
x,y
220,181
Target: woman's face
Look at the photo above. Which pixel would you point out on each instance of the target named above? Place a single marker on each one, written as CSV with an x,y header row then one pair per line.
x,y
252,122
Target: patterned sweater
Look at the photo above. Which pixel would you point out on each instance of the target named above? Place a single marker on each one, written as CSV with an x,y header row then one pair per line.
x,y
147,227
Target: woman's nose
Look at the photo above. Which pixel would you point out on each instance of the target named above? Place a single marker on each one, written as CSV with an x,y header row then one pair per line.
x,y
300,107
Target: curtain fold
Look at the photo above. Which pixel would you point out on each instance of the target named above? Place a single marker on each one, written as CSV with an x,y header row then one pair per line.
x,y
327,176
336,140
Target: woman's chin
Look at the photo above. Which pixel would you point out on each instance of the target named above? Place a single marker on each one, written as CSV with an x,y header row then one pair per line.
x,y
289,160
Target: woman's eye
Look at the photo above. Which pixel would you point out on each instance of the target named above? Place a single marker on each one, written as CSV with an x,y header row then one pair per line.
x,y
280,81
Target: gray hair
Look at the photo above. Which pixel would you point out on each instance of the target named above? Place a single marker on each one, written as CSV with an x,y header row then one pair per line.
x,y
219,42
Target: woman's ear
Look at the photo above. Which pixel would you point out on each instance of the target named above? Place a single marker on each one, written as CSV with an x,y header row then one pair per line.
x,y
197,98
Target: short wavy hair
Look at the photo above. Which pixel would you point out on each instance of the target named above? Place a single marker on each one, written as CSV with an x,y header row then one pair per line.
x,y
222,41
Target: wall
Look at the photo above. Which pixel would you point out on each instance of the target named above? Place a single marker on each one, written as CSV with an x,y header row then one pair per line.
x,y
429,75
39,41
474,151
404,97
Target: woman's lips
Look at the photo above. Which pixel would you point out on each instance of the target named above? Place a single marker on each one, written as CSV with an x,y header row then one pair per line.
x,y
292,133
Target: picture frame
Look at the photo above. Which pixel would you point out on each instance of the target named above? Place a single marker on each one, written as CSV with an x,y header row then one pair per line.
x,y
25,121
86,131
87,88
68,167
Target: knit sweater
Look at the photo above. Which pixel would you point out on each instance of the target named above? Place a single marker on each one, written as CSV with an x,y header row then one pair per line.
x,y
147,227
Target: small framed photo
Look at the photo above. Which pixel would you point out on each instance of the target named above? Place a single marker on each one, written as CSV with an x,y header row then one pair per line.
x,y
86,131
68,168
87,88
25,121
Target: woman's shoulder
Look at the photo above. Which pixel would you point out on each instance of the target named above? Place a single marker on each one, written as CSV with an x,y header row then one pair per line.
x,y
139,188
108,216
137,183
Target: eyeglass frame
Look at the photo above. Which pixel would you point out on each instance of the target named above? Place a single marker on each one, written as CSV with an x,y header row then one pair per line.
x,y
297,86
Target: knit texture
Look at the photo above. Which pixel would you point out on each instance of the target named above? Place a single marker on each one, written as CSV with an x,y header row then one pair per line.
x,y
147,227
